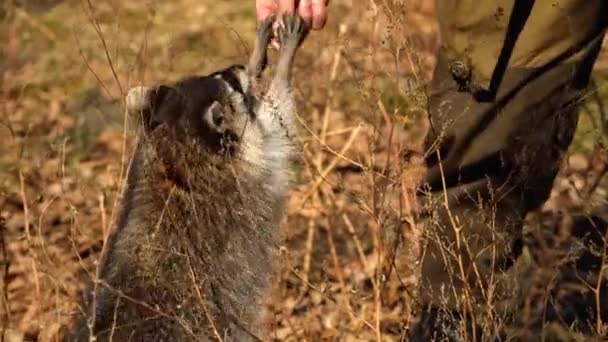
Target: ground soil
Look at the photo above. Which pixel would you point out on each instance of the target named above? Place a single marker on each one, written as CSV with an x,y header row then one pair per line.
x,y
66,65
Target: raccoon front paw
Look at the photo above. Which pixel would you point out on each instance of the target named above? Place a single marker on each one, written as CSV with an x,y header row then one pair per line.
x,y
259,59
264,30
293,31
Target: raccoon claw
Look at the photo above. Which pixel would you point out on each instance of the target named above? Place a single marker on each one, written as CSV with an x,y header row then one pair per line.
x,y
291,34
293,31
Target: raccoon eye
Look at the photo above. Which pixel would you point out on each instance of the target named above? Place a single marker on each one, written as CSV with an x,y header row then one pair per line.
x,y
215,115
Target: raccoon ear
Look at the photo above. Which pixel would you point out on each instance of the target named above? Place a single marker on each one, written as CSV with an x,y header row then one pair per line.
x,y
137,99
153,106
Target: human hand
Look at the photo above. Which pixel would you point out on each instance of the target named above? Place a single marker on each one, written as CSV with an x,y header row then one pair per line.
x,y
313,12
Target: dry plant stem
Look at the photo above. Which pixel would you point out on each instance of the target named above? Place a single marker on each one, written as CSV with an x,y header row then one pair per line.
x,y
7,73
330,94
310,238
547,296
388,262
376,235
5,310
408,199
331,198
32,309
202,301
89,67
105,230
597,291
319,180
26,221
336,132
406,215
386,169
409,54
378,206
376,223
319,160
353,234
143,56
376,226
601,150
123,172
82,265
372,39
457,229
28,235
39,230
314,288
331,150
114,319
338,267
391,128
316,212
330,91
316,202
97,28
310,227
312,221
311,286
406,46
121,295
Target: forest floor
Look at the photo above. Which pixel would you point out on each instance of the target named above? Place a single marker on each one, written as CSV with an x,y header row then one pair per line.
x,y
65,67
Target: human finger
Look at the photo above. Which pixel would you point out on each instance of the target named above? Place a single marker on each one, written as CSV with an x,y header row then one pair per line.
x,y
319,13
265,8
305,11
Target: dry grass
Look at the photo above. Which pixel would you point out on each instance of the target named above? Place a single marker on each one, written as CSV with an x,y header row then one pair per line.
x,y
66,65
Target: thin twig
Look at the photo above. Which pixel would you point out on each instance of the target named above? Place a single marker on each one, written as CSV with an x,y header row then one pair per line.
x,y
5,312
106,51
331,166
202,301
337,266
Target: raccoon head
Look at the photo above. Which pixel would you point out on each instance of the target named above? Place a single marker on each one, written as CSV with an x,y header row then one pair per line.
x,y
212,110
198,121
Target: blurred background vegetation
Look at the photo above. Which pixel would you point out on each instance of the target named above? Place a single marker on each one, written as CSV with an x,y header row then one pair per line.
x,y
65,66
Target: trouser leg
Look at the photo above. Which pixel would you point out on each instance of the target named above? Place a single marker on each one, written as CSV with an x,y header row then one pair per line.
x,y
498,162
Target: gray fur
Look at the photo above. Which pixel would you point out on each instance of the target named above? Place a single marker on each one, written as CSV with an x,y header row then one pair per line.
x,y
193,249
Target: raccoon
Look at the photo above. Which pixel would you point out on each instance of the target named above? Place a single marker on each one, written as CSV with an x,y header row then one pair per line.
x,y
192,255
